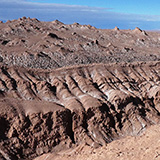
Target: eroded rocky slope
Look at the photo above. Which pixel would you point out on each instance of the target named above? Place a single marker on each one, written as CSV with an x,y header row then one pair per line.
x,y
44,111
142,147
31,43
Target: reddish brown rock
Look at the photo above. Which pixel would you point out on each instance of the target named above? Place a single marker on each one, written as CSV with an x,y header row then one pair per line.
x,y
54,44
44,111
79,105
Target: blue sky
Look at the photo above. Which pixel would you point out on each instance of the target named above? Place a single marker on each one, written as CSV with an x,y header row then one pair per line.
x,y
126,14
123,6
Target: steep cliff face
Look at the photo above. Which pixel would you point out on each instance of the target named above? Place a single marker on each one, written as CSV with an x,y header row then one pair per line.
x,y
52,110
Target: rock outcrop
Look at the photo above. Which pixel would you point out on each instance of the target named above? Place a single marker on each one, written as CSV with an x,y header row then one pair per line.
x,y
143,147
23,40
44,111
59,91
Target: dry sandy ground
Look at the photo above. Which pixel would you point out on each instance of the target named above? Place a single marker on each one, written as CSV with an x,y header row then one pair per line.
x,y
143,147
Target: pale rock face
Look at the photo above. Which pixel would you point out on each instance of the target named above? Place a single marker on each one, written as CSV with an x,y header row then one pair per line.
x,y
116,29
138,30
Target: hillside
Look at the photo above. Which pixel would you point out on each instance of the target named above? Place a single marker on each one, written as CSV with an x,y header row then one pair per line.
x,y
65,89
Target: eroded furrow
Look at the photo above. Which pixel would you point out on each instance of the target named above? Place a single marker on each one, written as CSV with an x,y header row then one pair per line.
x,y
43,111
